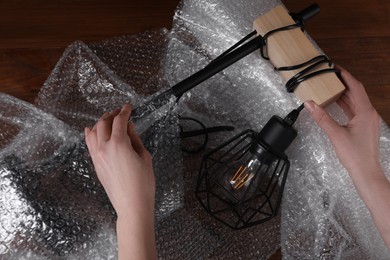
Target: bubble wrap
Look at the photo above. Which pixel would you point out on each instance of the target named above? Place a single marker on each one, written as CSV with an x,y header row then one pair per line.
x,y
322,215
53,207
52,204
47,186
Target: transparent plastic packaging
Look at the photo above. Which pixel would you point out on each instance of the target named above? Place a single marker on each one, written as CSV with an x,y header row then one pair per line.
x,y
53,207
322,215
52,204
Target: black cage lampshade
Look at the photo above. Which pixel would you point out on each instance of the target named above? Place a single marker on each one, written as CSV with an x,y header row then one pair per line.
x,y
241,182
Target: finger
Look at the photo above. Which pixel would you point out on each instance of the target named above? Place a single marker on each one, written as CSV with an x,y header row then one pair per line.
x,y
101,118
341,72
350,81
355,90
136,142
90,139
104,127
323,119
119,125
345,105
347,100
87,132
339,68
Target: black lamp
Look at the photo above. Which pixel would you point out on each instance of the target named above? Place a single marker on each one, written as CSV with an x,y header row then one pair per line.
x,y
241,182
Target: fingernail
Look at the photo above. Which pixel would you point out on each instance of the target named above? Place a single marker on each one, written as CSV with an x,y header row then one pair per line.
x,y
115,111
126,106
310,106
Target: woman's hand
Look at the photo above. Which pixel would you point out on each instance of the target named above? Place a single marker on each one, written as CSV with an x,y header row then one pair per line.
x,y
124,168
357,147
356,143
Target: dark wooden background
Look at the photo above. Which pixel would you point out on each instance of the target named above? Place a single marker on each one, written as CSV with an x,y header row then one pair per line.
x,y
34,33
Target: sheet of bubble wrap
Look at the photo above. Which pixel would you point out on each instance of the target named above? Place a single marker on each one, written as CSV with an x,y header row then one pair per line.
x,y
42,149
83,86
52,204
322,215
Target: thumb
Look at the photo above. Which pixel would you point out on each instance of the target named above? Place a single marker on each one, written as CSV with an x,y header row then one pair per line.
x,y
322,118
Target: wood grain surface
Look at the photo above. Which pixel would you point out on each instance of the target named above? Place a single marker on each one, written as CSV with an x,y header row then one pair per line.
x,y
33,34
354,33
292,47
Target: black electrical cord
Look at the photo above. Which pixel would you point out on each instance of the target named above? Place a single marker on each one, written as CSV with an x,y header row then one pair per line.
x,y
322,58
281,29
205,131
315,62
293,115
290,119
310,65
292,83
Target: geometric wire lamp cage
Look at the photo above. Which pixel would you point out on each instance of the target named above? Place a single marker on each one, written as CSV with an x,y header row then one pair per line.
x,y
241,182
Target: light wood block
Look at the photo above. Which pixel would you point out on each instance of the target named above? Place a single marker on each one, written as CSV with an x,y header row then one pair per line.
x,y
293,47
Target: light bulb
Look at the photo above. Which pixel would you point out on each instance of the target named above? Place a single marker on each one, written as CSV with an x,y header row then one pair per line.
x,y
241,182
245,176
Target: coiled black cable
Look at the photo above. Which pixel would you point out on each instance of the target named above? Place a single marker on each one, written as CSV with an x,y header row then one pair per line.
x,y
281,29
303,75
310,65
205,131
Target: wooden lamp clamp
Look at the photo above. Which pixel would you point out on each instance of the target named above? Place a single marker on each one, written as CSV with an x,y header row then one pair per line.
x,y
309,74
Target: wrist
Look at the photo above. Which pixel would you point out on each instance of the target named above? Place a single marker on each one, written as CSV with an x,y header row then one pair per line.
x,y
139,226
135,222
135,211
134,204
135,234
367,174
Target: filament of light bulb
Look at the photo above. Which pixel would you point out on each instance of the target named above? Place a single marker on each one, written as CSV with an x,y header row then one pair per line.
x,y
242,176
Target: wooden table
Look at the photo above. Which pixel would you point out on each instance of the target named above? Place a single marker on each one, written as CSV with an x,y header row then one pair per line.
x,y
354,33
